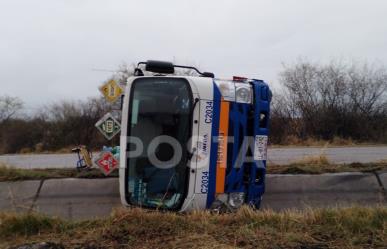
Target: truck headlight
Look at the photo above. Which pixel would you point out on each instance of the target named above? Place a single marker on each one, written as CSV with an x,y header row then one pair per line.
x,y
243,93
236,200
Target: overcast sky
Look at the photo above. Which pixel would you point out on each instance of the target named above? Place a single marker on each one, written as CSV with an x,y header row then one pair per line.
x,y
49,48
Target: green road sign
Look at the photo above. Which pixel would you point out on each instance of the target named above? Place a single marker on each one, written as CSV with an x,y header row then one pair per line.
x,y
108,126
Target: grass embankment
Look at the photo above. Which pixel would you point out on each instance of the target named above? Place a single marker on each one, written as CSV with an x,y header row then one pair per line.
x,y
295,141
14,174
320,164
310,165
135,228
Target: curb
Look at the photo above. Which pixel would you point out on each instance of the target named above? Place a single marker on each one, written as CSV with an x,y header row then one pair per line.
x,y
73,198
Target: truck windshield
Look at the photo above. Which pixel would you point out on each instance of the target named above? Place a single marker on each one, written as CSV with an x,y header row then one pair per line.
x,y
159,117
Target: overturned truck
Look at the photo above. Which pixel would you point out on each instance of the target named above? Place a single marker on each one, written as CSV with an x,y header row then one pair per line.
x,y
192,142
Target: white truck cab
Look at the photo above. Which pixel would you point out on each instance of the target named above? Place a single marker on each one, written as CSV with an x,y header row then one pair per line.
x,y
191,143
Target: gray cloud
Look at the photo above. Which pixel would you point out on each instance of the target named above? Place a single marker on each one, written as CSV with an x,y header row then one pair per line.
x,y
48,48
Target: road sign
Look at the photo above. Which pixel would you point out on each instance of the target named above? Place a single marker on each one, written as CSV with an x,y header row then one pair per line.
x,y
108,126
111,91
107,162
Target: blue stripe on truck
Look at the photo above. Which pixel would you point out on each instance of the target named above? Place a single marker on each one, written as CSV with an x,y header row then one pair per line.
x,y
214,146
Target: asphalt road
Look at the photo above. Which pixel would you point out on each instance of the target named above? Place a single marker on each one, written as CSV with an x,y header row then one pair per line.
x,y
335,154
89,198
276,156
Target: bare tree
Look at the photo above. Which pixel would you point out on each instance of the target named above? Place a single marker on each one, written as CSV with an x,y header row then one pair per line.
x,y
124,72
72,122
368,88
9,106
335,99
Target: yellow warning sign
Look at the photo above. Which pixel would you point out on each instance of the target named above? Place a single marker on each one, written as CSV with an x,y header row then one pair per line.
x,y
111,91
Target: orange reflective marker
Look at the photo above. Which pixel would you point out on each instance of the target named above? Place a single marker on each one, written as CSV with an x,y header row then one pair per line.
x,y
221,164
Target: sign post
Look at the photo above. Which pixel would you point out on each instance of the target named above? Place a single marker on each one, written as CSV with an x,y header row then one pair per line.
x,y
111,91
107,162
108,126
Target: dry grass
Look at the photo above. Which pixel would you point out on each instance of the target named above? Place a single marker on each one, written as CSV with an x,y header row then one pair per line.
x,y
38,149
8,173
315,142
319,164
135,228
321,159
310,165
